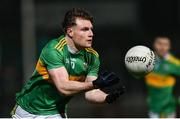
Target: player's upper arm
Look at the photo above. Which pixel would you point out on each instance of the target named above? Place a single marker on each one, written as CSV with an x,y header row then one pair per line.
x,y
53,60
60,77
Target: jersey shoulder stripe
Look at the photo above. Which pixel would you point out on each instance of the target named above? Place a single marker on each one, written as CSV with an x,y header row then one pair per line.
x,y
60,44
61,47
91,50
61,41
173,59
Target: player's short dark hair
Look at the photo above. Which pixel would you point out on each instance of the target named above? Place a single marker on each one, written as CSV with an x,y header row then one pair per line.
x,y
162,36
71,15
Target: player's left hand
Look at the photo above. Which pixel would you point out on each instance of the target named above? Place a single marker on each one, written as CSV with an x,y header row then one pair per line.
x,y
115,94
114,91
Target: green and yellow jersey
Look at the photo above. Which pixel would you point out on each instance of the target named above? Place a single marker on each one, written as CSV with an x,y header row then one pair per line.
x,y
39,95
160,85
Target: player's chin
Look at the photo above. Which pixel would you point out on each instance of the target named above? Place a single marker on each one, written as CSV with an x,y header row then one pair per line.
x,y
88,45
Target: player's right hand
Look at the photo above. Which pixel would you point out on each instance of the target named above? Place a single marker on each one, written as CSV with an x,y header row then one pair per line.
x,y
105,79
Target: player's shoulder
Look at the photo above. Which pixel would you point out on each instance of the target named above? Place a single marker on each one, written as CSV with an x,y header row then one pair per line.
x,y
91,51
54,47
56,43
171,58
60,43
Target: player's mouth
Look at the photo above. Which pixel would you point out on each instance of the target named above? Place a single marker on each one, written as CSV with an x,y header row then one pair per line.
x,y
89,41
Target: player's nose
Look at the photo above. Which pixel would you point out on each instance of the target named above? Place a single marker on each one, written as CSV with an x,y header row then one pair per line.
x,y
91,33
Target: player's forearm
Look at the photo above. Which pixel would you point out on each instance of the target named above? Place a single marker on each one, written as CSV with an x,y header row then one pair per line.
x,y
95,96
60,78
71,87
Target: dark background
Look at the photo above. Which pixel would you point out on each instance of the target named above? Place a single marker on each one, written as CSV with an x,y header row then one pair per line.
x,y
119,25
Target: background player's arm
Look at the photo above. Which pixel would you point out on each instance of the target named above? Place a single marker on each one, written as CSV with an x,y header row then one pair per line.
x,y
95,95
64,85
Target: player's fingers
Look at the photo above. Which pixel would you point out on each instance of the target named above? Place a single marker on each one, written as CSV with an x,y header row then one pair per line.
x,y
104,73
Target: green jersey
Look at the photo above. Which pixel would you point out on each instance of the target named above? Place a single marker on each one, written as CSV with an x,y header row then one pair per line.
x,y
160,85
39,95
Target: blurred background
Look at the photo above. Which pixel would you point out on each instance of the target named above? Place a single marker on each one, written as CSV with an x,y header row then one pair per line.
x,y
27,25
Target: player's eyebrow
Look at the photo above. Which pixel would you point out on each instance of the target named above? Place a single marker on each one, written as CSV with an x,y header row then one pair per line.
x,y
86,28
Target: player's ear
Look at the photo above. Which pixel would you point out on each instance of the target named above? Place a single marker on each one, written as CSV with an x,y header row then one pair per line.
x,y
70,32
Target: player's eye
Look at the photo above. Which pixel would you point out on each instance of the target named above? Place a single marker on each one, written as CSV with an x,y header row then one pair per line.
x,y
85,29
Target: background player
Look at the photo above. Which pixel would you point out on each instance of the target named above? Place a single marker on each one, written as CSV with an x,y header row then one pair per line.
x,y
67,65
160,82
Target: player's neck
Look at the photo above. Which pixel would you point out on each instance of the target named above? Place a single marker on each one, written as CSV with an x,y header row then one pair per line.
x,y
71,46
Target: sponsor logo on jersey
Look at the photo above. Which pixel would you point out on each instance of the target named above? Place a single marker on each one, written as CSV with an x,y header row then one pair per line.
x,y
85,65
